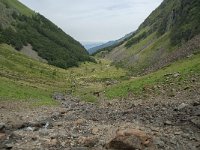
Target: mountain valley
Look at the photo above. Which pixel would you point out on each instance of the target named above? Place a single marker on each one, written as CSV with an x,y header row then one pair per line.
x,y
140,93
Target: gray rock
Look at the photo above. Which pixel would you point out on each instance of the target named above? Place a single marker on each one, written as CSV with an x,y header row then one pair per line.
x,y
186,135
79,148
196,121
29,129
197,112
2,126
168,74
46,125
182,106
176,75
159,142
58,96
167,122
9,146
155,129
178,133
44,132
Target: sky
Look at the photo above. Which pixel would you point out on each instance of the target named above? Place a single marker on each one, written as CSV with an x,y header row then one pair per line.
x,y
95,20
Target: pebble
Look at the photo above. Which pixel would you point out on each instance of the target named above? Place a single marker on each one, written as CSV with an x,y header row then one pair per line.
x,y
196,121
159,142
95,131
182,106
54,142
155,129
178,133
44,132
176,74
79,148
186,135
29,129
168,122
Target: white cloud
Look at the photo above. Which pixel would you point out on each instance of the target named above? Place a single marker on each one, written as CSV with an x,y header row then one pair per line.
x,y
95,20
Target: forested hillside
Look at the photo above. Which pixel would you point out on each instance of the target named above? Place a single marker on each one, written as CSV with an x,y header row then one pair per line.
x,y
20,26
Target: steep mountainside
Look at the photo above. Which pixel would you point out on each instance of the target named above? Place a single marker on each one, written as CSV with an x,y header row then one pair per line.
x,y
171,32
20,26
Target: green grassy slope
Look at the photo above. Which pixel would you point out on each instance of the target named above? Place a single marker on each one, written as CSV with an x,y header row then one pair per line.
x,y
22,78
20,26
168,28
20,7
180,75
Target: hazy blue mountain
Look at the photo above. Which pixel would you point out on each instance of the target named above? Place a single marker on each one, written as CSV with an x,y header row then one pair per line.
x,y
108,44
89,45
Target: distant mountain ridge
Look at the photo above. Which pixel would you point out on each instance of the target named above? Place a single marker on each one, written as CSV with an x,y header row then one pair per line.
x,y
108,44
89,45
20,26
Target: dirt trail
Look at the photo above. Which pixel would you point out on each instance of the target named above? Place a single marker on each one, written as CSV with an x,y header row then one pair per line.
x,y
172,123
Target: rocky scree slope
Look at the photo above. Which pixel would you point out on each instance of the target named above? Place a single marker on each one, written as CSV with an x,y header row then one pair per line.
x,y
159,123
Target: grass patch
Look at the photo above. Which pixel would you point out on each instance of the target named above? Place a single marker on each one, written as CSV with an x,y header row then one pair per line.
x,y
91,77
14,91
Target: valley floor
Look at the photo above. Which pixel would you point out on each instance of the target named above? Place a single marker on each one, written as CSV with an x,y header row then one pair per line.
x,y
112,110
171,123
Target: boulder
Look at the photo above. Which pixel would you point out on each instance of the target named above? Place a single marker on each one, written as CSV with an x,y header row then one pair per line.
x,y
130,139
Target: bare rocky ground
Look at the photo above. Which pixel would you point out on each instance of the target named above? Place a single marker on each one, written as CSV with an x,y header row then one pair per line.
x,y
168,123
